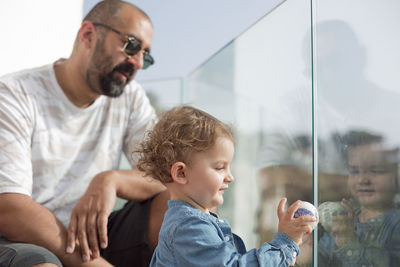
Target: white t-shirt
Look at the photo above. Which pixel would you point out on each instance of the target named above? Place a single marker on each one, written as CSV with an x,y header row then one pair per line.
x,y
51,149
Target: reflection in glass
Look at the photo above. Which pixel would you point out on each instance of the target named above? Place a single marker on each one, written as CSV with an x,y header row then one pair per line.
x,y
364,228
358,136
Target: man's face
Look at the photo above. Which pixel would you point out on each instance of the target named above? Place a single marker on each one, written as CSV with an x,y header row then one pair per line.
x,y
110,69
106,78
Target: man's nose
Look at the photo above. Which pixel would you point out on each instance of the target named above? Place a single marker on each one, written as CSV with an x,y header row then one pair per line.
x,y
137,60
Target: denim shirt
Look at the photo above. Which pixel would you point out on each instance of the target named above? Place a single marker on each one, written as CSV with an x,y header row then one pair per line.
x,y
190,237
376,243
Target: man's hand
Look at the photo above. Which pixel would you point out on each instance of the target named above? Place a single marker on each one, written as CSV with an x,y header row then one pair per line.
x,y
43,228
89,217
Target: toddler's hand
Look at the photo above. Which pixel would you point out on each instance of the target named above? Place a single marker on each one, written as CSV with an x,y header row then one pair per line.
x,y
343,229
293,227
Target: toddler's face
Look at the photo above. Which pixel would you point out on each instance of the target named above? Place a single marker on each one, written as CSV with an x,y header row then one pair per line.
x,y
371,178
209,174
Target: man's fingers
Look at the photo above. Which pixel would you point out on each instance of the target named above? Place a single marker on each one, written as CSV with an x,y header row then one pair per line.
x,y
82,237
92,235
102,220
71,235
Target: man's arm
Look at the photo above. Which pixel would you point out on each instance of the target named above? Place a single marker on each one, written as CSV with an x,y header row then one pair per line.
x,y
89,217
133,185
23,220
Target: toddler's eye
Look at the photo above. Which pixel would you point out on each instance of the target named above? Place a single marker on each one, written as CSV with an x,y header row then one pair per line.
x,y
353,171
378,171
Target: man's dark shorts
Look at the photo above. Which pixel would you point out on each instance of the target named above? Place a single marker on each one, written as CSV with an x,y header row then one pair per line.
x,y
127,242
24,255
127,236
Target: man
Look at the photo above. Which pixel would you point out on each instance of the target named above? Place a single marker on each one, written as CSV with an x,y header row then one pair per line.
x,y
63,128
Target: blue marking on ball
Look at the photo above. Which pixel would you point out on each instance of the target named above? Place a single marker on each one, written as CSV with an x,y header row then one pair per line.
x,y
301,212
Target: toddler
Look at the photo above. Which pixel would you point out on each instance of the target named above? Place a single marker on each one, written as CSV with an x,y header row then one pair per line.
x,y
191,152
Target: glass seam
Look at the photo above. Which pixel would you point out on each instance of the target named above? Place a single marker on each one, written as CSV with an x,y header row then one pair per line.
x,y
314,124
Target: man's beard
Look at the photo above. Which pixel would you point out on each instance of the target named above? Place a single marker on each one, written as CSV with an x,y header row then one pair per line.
x,y
106,83
114,87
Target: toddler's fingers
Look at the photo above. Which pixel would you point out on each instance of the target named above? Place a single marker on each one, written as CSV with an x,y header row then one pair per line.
x,y
292,209
303,223
340,219
307,229
348,204
280,209
306,219
340,229
304,228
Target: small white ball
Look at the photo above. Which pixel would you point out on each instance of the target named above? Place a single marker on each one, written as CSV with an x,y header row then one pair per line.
x,y
328,210
306,208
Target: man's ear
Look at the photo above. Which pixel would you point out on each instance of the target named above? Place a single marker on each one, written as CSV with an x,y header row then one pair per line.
x,y
87,34
178,173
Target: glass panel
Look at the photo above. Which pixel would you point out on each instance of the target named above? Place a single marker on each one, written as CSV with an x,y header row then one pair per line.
x,y
163,94
358,89
259,84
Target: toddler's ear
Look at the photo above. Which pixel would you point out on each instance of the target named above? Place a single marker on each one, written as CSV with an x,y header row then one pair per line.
x,y
178,174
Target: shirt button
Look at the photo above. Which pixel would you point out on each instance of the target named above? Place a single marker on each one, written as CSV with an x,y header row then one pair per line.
x,y
220,220
227,238
294,254
349,253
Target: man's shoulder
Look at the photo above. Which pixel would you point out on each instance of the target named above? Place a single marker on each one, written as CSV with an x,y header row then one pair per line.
x,y
133,88
32,75
133,95
27,72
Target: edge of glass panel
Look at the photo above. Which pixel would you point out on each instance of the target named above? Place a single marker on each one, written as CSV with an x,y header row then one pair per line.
x,y
314,124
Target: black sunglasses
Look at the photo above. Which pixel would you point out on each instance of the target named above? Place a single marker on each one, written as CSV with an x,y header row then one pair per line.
x,y
132,46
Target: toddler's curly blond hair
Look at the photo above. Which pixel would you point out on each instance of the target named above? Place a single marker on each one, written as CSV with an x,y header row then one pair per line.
x,y
180,132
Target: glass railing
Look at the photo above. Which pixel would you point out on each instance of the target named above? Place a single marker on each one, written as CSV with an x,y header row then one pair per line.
x,y
163,95
357,94
259,84
312,90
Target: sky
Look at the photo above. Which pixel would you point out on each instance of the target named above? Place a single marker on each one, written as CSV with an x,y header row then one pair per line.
x,y
188,32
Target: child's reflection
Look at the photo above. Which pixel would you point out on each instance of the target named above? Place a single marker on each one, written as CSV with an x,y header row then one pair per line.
x,y
370,232
372,179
